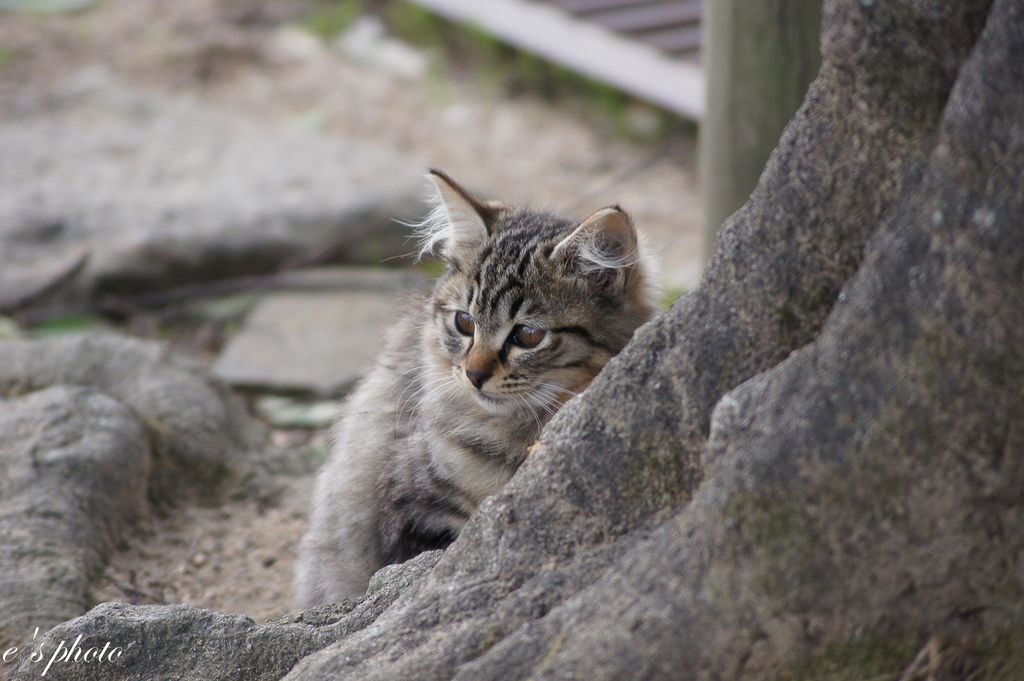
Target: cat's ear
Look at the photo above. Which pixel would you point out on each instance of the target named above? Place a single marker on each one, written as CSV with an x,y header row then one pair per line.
x,y
460,222
605,243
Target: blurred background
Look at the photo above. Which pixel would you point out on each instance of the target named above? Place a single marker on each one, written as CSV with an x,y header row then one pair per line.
x,y
231,177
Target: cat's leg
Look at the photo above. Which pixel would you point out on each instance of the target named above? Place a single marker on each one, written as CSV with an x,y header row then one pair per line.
x,y
340,552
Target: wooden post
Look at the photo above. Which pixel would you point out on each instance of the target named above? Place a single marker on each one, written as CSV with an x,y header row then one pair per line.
x,y
759,58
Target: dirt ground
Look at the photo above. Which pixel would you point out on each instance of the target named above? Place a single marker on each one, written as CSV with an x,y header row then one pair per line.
x,y
238,556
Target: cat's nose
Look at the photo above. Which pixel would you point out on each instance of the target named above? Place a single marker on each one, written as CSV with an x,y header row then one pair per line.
x,y
480,363
478,376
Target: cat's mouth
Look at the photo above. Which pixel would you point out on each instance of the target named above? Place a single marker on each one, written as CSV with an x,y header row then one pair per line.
x,y
518,405
534,402
489,401
497,404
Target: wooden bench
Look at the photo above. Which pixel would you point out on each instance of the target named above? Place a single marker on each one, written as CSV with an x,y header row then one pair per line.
x,y
648,49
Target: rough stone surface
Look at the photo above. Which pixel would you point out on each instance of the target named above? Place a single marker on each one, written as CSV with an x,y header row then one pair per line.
x,y
92,428
108,189
211,646
200,431
316,341
74,466
812,462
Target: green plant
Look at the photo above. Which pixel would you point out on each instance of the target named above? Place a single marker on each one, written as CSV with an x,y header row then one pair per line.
x,y
70,323
416,25
329,18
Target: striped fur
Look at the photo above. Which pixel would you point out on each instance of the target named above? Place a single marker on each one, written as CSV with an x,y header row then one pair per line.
x,y
446,417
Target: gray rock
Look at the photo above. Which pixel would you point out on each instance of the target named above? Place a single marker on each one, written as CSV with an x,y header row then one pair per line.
x,y
200,431
74,468
161,191
206,645
316,342
93,427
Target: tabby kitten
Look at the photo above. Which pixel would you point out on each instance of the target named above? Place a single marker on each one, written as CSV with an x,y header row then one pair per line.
x,y
530,307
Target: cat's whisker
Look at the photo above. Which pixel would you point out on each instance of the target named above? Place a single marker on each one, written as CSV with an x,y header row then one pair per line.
x,y
419,386
553,395
548,404
430,380
556,388
452,390
532,411
539,399
546,395
441,393
418,367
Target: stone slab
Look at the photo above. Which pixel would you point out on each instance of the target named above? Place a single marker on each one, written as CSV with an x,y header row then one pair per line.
x,y
316,341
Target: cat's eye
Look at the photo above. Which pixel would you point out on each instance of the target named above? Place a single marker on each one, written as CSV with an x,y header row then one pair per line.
x,y
526,336
464,323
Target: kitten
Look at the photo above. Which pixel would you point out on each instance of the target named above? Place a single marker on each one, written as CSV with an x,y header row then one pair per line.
x,y
530,307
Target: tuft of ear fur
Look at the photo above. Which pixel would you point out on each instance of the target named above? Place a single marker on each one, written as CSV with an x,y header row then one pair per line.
x,y
458,222
606,240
